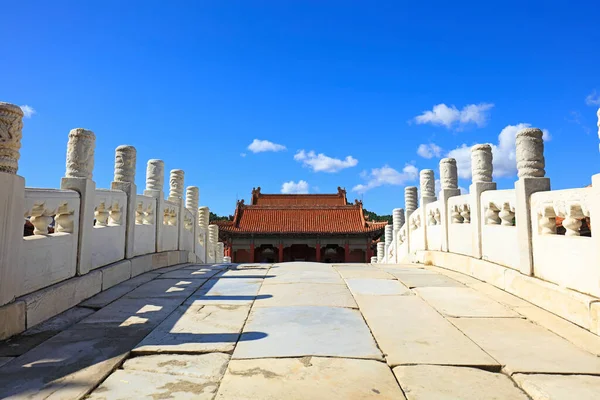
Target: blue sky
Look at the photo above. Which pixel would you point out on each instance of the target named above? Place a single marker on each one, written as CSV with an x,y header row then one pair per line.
x,y
364,84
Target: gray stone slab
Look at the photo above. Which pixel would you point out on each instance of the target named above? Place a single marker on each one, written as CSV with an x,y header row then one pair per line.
x,y
464,302
329,276
305,294
434,382
127,385
66,366
559,387
106,297
413,280
313,378
257,272
301,266
363,272
226,291
209,367
166,288
20,344
166,270
409,331
4,360
134,314
197,329
306,331
524,347
499,295
377,287
191,273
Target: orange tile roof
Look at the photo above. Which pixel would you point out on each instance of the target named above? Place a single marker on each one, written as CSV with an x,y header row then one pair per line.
x,y
260,199
346,219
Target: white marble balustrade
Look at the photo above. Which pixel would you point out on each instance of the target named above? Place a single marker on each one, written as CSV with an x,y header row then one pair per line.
x,y
47,258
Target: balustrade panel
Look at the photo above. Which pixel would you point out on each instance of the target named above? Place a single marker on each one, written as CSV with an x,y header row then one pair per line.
x,y
460,231
145,225
49,249
562,252
499,239
108,235
434,225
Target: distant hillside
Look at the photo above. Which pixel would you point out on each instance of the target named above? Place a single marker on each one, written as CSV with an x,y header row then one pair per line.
x,y
371,216
215,217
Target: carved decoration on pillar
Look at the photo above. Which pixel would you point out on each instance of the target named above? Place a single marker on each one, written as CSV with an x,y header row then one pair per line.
x,y
125,158
11,133
155,175
481,163
192,197
80,153
448,173
530,153
203,217
410,199
427,183
398,218
176,185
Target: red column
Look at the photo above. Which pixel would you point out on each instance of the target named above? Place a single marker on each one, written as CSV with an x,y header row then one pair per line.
x,y
280,252
346,252
368,252
252,252
318,252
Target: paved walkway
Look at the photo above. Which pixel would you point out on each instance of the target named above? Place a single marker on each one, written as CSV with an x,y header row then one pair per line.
x,y
302,331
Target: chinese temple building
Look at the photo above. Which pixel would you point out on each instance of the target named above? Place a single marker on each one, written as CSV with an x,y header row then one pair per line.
x,y
299,227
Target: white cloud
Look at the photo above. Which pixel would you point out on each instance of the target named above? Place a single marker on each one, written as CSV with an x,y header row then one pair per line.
x,y
242,154
592,99
291,187
451,116
504,153
322,163
28,111
259,146
429,150
387,175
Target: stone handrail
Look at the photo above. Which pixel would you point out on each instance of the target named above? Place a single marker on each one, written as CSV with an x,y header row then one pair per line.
x,y
530,241
79,240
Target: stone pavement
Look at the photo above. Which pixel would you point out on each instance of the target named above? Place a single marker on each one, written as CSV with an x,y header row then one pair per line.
x,y
302,331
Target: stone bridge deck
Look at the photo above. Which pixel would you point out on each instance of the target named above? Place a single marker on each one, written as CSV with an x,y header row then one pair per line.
x,y
302,331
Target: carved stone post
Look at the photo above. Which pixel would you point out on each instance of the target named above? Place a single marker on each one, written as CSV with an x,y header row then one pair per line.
x,y
192,198
388,234
176,185
411,204
449,182
427,183
530,167
373,260
12,200
220,253
125,163
176,196
398,222
201,234
78,177
213,239
481,169
380,252
155,181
